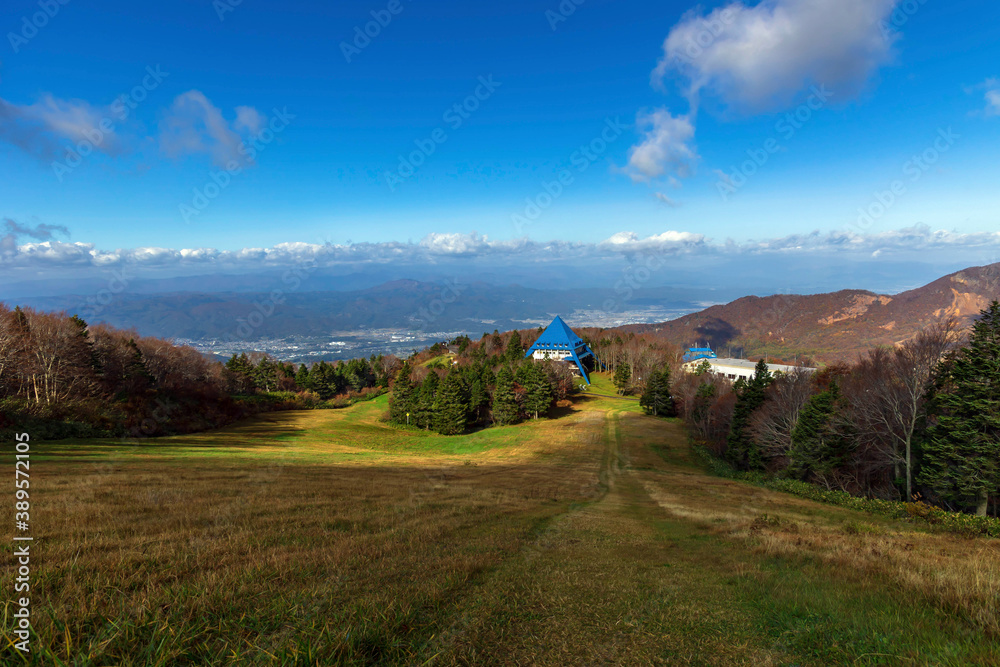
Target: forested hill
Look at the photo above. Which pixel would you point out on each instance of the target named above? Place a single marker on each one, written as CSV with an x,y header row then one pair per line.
x,y
832,327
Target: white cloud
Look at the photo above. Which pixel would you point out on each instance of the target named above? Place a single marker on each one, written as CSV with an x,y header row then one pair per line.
x,y
918,238
666,200
993,103
193,125
455,244
665,149
760,58
912,241
47,127
15,230
629,242
249,120
992,97
53,253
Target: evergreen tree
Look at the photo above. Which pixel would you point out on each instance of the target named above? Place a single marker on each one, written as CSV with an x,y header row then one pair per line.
x,y
524,372
401,402
741,450
539,392
136,378
266,374
505,407
515,349
451,408
242,374
424,404
81,325
819,446
302,379
961,457
623,378
322,375
656,399
478,399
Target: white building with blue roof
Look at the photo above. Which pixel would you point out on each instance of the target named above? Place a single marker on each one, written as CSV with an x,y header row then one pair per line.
x,y
560,343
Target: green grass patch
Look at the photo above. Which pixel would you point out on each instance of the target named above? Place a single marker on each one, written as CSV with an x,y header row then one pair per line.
x,y
953,522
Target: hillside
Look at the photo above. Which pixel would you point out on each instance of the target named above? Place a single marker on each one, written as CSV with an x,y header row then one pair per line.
x,y
832,327
329,537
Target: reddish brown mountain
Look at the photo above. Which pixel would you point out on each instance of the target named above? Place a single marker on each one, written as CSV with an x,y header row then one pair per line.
x,y
832,327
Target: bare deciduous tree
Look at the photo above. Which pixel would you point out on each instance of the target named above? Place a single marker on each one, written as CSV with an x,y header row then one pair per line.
x,y
886,394
772,425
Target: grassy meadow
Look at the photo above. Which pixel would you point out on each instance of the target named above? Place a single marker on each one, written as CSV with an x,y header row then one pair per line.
x,y
596,537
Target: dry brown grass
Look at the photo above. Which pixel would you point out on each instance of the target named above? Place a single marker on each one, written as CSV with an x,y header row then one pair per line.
x,y
239,553
959,574
326,538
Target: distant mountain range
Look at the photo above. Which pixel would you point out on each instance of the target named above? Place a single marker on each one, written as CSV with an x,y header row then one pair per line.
x,y
826,327
831,327
420,307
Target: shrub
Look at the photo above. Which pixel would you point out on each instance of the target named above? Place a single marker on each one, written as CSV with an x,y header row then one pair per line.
x,y
953,522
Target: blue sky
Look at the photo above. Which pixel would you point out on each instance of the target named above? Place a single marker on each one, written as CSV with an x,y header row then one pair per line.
x,y
901,74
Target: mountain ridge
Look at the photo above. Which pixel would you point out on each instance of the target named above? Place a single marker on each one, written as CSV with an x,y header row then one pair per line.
x,y
834,326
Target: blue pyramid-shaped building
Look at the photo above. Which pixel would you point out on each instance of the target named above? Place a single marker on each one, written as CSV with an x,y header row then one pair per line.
x,y
558,342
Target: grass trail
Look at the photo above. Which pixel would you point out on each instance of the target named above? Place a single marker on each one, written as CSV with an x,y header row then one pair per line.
x,y
328,537
625,580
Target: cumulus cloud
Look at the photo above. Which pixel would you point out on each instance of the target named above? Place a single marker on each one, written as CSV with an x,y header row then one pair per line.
x,y
757,59
919,238
193,125
456,244
15,230
671,241
48,253
666,147
47,127
436,248
760,58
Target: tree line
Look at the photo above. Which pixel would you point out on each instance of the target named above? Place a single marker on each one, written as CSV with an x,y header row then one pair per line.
x,y
486,383
249,374
61,377
65,378
917,421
